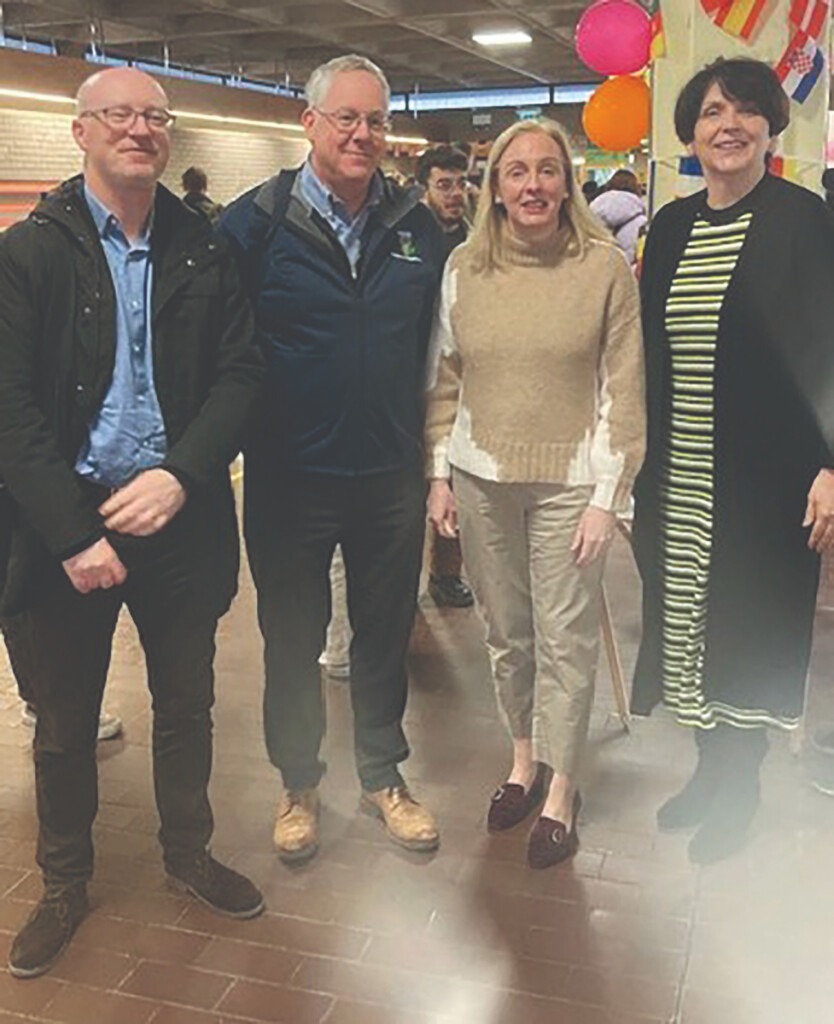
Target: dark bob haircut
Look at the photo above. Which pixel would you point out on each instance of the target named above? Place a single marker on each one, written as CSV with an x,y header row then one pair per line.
x,y
446,158
746,81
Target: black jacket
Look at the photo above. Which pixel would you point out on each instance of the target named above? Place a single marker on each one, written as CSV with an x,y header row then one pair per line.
x,y
346,352
772,430
57,354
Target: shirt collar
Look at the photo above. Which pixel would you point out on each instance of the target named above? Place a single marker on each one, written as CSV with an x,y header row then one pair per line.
x,y
107,223
325,201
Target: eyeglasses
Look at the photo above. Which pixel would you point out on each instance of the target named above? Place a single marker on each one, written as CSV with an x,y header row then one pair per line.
x,y
346,121
449,185
126,117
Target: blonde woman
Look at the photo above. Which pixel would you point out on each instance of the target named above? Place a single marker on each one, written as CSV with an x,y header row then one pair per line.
x,y
535,432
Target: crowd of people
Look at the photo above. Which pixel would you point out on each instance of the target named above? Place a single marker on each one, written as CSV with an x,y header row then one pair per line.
x,y
381,355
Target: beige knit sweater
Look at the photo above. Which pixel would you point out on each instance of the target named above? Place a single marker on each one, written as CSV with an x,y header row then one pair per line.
x,y
536,371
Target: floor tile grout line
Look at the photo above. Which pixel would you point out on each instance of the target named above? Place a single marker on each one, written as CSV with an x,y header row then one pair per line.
x,y
233,980
690,935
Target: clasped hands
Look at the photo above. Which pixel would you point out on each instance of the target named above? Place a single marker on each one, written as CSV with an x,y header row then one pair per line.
x,y
139,509
592,536
819,513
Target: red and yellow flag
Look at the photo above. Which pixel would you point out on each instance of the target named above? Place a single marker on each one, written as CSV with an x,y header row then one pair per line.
x,y
657,47
737,17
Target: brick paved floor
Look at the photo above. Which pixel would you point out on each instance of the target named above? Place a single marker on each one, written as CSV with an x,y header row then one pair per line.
x,y
368,934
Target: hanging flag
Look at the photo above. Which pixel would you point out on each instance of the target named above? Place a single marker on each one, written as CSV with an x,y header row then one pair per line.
x,y
740,17
737,17
690,177
800,66
657,47
786,167
809,16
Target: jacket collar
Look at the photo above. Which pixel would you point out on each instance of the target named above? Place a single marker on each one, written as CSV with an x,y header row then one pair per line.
x,y
276,195
66,206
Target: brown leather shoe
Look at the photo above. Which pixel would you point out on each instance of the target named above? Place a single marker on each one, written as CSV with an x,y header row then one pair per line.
x,y
409,824
550,840
296,835
511,804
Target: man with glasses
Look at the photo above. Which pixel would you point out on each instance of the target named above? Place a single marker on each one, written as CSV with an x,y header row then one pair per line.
x,y
441,170
127,373
346,268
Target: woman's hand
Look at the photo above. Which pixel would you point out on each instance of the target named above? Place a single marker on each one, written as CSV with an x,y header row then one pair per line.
x,y
441,508
819,514
593,535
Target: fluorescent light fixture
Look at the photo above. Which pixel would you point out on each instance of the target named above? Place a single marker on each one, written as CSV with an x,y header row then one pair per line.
x,y
247,122
191,115
282,125
47,97
511,37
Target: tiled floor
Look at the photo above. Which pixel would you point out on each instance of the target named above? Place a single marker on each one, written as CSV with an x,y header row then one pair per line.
x,y
368,934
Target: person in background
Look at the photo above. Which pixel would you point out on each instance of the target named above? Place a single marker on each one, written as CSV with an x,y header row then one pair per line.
x,y
590,190
828,187
128,371
21,659
621,209
348,268
441,171
735,502
535,431
195,185
335,658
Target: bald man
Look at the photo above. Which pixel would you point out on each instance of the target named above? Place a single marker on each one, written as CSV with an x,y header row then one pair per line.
x,y
127,373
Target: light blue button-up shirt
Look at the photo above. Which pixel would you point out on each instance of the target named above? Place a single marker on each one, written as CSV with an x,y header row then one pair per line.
x,y
349,230
128,434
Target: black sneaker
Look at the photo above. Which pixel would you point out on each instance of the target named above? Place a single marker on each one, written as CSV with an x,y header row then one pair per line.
x,y
47,931
450,592
220,888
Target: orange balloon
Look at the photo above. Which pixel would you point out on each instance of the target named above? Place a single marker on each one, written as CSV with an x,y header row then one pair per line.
x,y
616,117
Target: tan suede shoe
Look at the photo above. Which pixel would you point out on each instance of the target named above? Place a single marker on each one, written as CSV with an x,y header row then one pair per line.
x,y
408,823
296,835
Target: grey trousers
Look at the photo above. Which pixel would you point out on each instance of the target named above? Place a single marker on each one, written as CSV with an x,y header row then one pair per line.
x,y
541,611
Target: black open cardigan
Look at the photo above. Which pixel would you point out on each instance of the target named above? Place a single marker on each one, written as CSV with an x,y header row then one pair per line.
x,y
774,430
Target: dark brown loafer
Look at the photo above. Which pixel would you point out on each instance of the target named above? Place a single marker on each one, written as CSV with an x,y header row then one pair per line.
x,y
511,805
550,840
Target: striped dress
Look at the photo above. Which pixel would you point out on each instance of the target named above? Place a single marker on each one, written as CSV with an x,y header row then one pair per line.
x,y
693,312
738,305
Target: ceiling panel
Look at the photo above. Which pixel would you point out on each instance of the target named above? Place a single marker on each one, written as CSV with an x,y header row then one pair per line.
x,y
422,43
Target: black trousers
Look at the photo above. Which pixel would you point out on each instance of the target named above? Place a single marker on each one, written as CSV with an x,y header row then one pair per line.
x,y
172,594
292,525
19,649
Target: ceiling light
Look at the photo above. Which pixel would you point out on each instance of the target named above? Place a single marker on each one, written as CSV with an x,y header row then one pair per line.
x,y
193,115
513,37
25,94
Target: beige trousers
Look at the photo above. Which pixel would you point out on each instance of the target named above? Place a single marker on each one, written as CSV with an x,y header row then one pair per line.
x,y
541,611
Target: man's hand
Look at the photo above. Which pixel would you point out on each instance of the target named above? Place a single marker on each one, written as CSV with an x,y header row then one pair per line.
x,y
819,514
593,535
97,567
441,509
142,507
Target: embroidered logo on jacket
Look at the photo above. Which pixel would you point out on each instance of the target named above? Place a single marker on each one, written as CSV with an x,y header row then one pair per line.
x,y
408,250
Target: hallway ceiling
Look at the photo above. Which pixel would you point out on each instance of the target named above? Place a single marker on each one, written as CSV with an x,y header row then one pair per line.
x,y
422,43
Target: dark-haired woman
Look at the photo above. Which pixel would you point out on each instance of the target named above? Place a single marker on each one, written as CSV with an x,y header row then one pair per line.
x,y
736,499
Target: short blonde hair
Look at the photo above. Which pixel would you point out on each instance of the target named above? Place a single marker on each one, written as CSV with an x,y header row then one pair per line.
x,y
486,242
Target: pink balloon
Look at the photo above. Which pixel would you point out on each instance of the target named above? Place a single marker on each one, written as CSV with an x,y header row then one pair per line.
x,y
613,37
